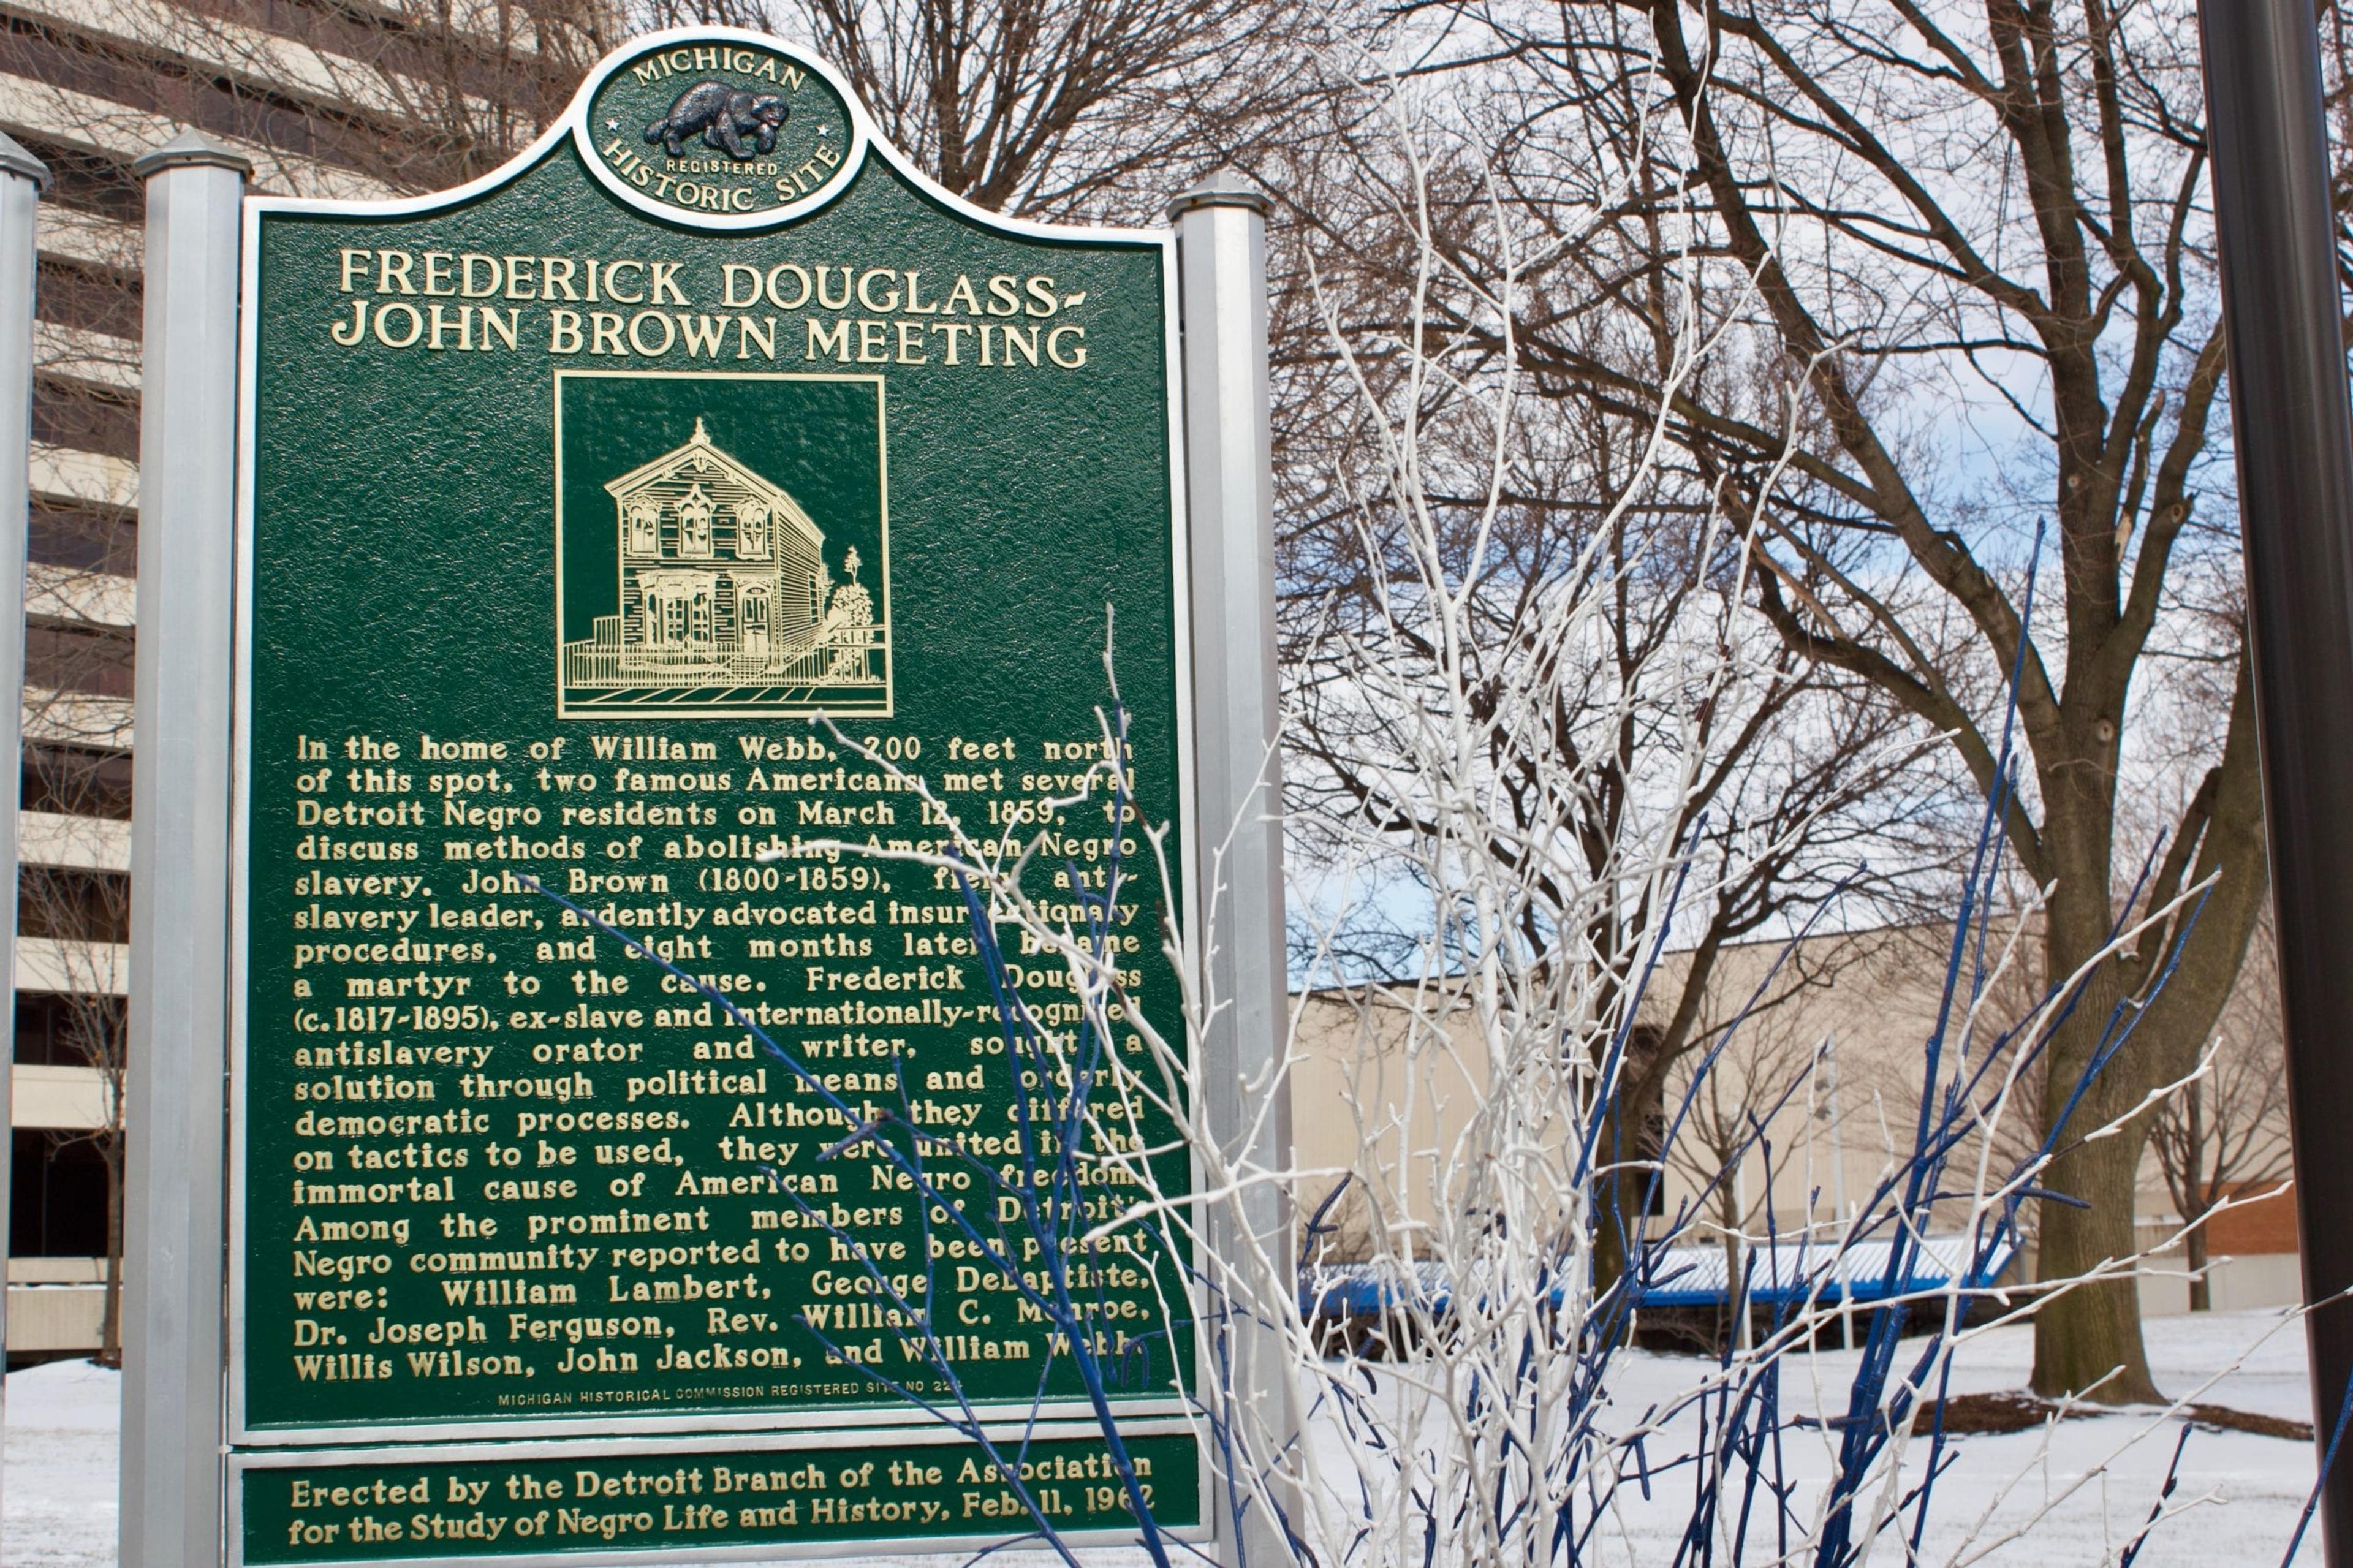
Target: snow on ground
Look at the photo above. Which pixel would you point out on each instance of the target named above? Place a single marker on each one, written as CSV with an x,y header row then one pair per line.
x,y
57,1494
2007,1499
2240,1494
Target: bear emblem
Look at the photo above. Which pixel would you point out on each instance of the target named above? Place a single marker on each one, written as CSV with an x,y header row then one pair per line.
x,y
739,124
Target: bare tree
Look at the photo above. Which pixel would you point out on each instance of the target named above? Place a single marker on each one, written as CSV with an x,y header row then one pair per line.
x,y
1808,795
85,915
1729,1091
1066,110
2223,1136
1764,1109
1471,1096
73,890
1948,216
346,99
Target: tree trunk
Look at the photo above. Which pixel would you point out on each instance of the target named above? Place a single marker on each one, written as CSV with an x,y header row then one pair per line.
x,y
110,1322
2087,1341
1729,1207
1624,1195
2084,1335
2200,1192
1633,1133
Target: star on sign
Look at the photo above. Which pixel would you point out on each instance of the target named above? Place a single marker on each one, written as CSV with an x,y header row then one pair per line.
x,y
611,124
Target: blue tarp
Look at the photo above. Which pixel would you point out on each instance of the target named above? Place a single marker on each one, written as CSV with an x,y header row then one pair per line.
x,y
1693,1275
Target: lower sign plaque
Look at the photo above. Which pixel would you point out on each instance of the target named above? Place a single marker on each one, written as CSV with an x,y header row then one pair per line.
x,y
678,1501
664,561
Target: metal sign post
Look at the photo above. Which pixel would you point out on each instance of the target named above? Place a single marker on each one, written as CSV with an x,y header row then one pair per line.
x,y
1221,257
179,862
2283,313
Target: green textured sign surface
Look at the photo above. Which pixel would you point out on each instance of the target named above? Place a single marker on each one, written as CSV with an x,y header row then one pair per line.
x,y
386,1508
567,522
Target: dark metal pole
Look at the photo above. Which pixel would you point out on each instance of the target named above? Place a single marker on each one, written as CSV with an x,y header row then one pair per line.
x,y
2289,409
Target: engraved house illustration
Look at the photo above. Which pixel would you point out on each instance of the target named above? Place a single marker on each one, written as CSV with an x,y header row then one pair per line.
x,y
723,583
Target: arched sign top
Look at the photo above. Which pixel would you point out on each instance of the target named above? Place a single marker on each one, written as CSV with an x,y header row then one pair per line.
x,y
719,129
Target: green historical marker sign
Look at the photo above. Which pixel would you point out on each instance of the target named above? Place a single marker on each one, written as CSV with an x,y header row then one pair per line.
x,y
648,522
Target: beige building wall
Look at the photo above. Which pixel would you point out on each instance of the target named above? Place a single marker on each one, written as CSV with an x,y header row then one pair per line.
x,y
1393,1117
1828,1055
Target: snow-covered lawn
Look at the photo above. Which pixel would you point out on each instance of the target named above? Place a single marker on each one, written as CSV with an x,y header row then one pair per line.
x,y
2241,1494
58,1505
58,1501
